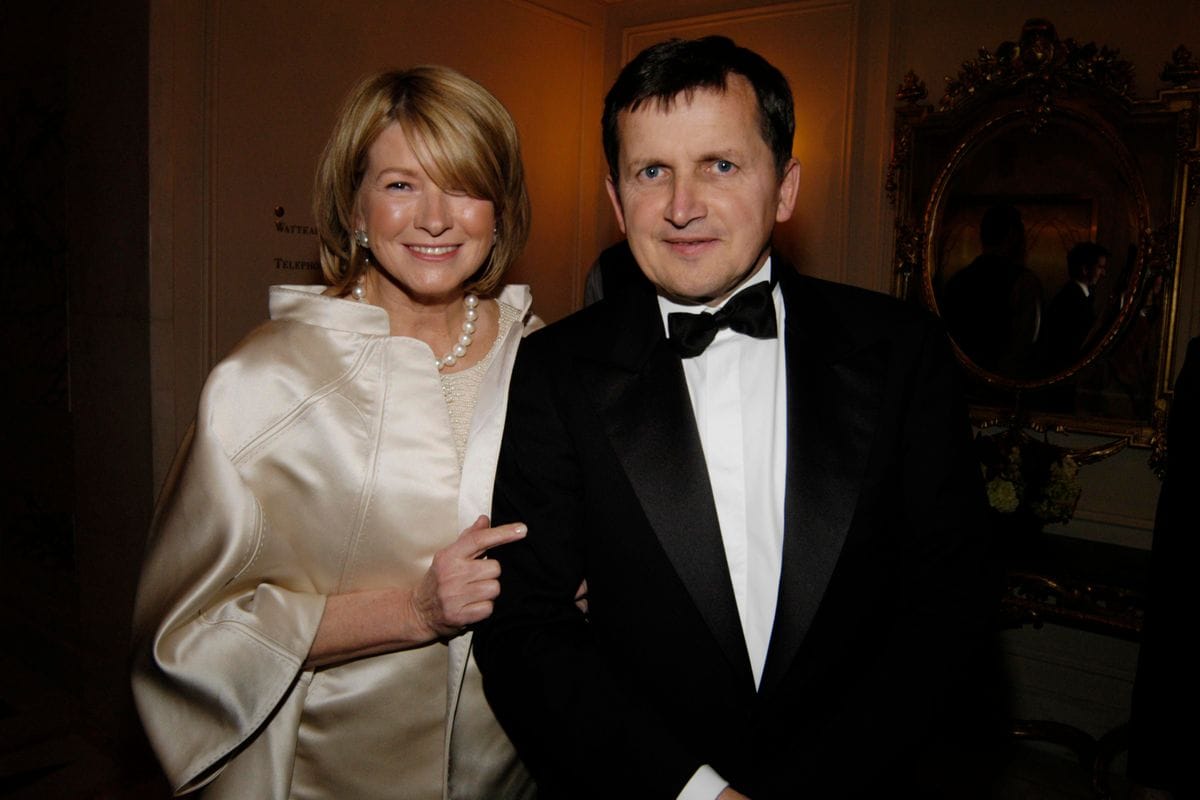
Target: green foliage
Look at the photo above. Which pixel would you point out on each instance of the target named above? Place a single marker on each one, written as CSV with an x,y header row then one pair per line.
x,y
1028,476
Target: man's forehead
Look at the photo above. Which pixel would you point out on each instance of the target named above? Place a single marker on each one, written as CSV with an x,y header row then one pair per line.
x,y
734,86
665,104
711,122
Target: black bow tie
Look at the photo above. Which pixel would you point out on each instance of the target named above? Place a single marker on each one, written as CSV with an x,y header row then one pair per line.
x,y
751,311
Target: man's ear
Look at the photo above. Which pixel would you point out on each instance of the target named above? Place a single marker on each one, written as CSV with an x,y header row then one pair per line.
x,y
616,202
788,188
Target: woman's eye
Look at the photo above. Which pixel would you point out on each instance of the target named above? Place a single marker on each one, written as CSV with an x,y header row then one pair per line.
x,y
399,185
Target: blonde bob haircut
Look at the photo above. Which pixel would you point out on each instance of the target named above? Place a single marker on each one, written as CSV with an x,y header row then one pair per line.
x,y
462,136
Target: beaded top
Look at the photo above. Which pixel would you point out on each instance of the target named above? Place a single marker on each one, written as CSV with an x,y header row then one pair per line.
x,y
461,389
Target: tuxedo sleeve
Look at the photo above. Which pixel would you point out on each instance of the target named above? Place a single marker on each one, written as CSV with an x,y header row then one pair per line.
x,y
548,684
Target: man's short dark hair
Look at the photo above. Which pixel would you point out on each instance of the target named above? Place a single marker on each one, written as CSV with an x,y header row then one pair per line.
x,y
1000,225
664,70
1082,256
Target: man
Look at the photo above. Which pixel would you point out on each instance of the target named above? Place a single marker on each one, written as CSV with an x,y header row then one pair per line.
x,y
773,531
993,306
1072,313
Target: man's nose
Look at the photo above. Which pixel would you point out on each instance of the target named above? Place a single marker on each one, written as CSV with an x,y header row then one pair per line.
x,y
686,202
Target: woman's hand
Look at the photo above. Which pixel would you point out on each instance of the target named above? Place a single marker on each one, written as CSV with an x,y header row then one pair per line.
x,y
457,590
461,584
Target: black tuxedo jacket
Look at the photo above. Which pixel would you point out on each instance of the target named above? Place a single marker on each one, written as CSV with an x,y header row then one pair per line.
x,y
1069,319
883,590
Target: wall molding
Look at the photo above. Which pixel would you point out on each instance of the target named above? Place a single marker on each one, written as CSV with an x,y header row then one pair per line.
x,y
181,235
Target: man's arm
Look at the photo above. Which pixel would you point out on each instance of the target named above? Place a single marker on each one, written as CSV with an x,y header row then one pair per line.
x,y
547,681
945,584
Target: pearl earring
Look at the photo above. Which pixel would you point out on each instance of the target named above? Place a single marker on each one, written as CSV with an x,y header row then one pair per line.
x,y
360,236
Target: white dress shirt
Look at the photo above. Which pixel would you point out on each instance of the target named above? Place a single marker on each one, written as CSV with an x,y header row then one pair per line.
x,y
738,388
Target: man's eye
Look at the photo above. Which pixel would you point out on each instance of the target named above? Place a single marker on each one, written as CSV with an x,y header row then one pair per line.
x,y
724,166
651,172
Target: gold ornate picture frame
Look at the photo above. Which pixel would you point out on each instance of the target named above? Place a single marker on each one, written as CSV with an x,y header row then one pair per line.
x,y
1050,127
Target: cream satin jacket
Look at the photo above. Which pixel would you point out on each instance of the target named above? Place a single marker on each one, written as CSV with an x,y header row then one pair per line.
x,y
321,462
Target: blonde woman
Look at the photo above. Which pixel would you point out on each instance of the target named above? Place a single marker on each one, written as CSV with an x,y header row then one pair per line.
x,y
317,552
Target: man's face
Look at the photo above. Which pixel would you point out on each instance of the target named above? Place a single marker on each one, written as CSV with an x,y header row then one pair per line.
x,y
698,194
1094,273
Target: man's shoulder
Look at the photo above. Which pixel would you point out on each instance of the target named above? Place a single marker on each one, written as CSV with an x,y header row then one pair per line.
x,y
858,313
849,294
592,327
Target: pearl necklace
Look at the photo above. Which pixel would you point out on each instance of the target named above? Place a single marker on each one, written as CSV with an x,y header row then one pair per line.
x,y
468,327
464,340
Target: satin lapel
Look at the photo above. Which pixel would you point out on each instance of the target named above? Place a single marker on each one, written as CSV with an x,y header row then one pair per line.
x,y
833,404
648,418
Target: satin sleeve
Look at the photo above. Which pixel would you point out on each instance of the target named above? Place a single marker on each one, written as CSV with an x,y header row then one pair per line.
x,y
224,617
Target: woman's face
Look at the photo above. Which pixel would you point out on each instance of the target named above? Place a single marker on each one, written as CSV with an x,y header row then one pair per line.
x,y
429,241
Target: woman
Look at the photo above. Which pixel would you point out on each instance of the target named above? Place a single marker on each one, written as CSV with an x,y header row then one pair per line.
x,y
305,574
